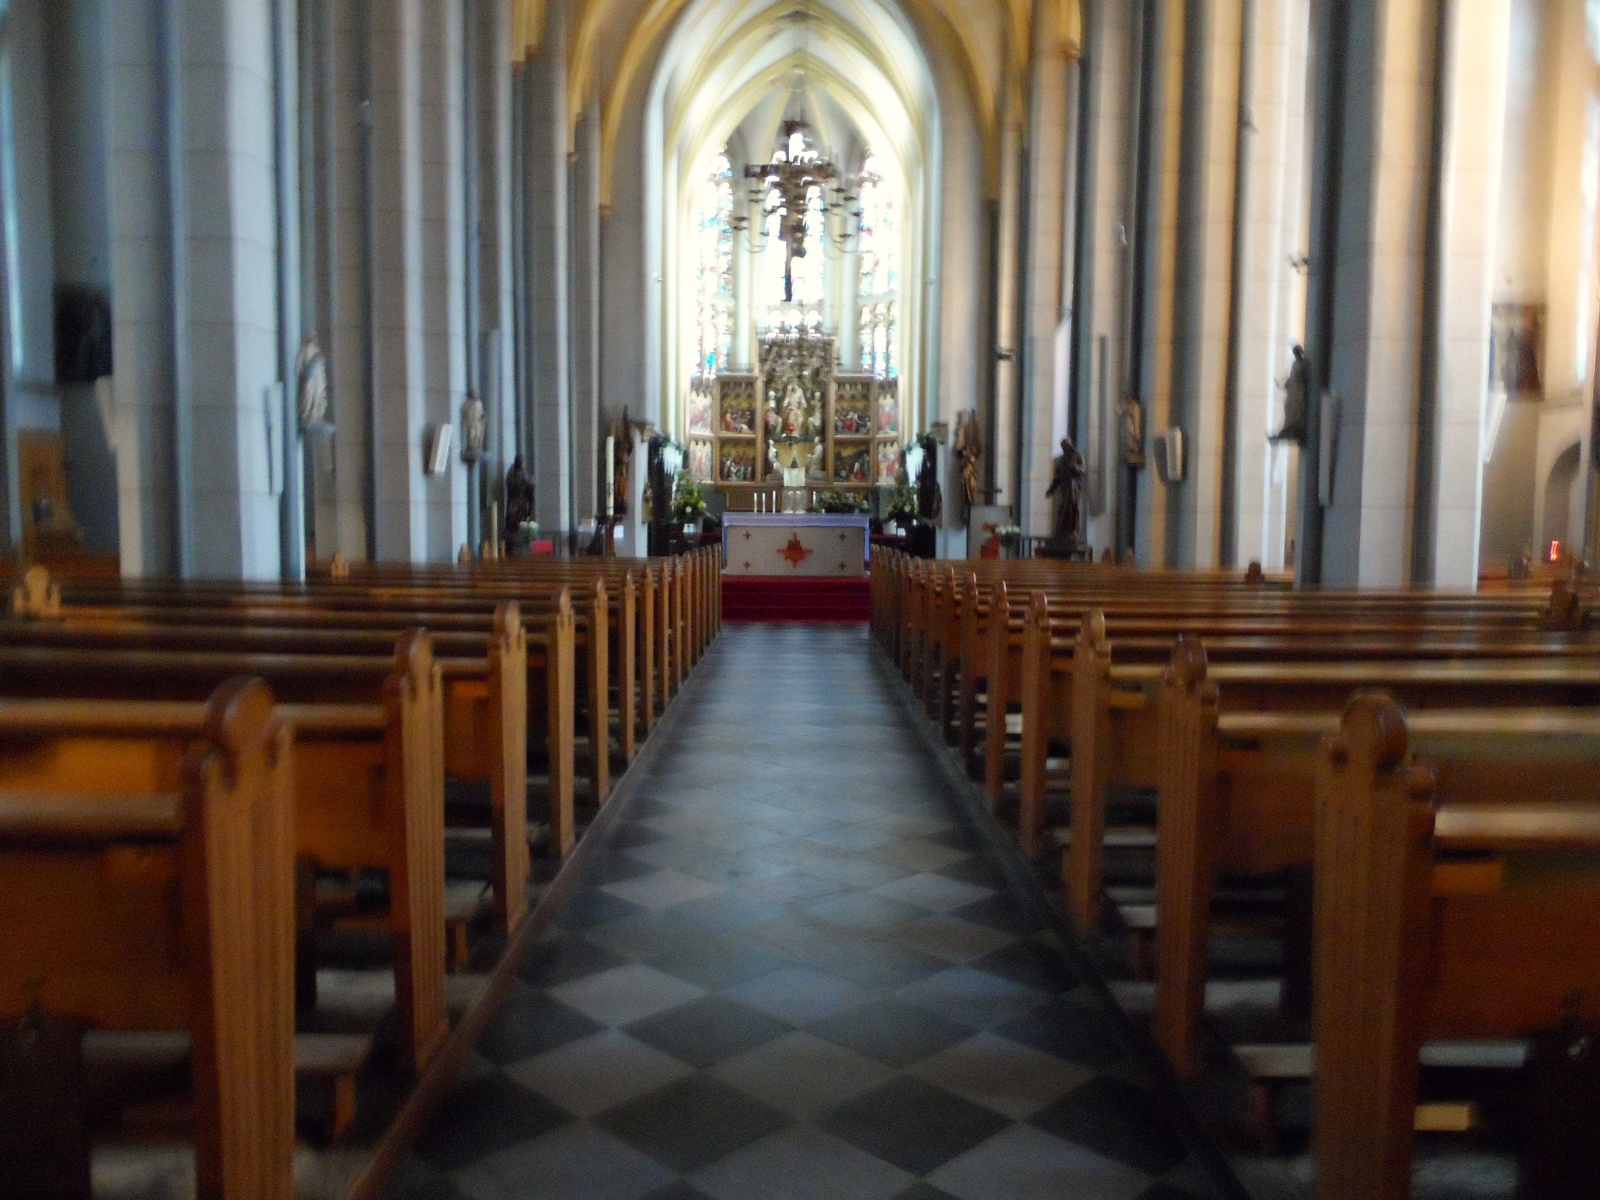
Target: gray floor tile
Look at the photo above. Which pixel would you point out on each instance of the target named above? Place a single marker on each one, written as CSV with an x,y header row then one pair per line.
x,y
801,1164
1025,1164
916,854
599,1072
934,892
1014,1080
912,1124
478,1117
576,1162
663,889
717,963
949,937
626,993
692,1123
800,994
972,997
894,1033
708,1030
802,1074
564,959
859,910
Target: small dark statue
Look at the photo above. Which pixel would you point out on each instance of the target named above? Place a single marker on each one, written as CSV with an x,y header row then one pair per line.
x,y
519,500
1066,483
1294,401
930,500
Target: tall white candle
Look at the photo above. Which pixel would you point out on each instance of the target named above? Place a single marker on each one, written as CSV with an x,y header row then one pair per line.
x,y
611,477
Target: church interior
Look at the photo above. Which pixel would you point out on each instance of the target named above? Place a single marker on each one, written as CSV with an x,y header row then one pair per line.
x,y
800,599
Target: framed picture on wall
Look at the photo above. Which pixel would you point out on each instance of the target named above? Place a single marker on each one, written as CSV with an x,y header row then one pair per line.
x,y
1516,349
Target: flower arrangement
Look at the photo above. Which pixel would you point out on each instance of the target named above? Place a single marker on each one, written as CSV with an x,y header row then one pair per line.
x,y
901,504
837,501
688,502
1010,536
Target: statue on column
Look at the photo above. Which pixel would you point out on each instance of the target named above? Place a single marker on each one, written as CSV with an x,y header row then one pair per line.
x,y
968,449
1132,432
519,500
1294,401
930,500
474,429
311,369
1066,482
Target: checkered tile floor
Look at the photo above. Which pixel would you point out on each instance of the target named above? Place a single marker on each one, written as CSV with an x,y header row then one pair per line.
x,y
791,974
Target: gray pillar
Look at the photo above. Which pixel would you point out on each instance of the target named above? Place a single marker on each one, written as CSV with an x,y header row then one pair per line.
x,y
546,242
1365,323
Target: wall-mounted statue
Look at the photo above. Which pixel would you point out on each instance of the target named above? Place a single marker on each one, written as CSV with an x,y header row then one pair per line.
x,y
519,500
311,369
474,429
930,500
1132,431
1294,401
968,449
1066,482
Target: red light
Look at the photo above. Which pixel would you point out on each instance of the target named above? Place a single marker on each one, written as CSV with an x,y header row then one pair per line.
x,y
1555,551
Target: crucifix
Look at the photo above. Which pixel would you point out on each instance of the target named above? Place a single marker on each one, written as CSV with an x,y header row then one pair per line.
x,y
786,182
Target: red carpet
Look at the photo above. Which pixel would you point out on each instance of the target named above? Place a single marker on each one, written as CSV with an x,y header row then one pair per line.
x,y
769,598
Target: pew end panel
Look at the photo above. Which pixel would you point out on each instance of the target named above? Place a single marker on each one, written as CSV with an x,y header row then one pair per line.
x,y
157,912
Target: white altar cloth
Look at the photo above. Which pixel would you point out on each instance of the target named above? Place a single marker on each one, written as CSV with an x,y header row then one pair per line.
x,y
815,545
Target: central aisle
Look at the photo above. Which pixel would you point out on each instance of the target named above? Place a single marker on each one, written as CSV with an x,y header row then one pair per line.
x,y
791,973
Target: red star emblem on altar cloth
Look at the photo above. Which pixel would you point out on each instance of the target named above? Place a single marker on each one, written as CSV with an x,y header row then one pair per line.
x,y
795,552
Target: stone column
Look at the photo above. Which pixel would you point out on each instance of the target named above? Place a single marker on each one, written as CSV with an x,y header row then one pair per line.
x,y
1479,32
227,323
399,354
496,382
1109,127
1048,142
1204,274
1366,327
1270,288
588,407
141,289
442,498
344,474
546,240
1155,290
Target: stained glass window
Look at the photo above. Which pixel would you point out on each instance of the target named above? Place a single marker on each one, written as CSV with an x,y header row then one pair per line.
x,y
714,269
879,253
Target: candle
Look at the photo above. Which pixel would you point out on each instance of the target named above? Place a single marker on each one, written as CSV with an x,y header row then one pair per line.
x,y
611,477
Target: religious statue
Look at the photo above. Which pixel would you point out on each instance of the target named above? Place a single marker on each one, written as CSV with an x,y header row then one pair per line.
x,y
1066,481
968,449
519,500
1132,431
814,466
797,412
930,500
622,461
1294,401
474,429
311,369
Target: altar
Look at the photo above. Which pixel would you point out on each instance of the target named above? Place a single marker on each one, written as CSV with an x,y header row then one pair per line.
x,y
810,545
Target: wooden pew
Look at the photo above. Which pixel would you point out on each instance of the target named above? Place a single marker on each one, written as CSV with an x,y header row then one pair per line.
x,y
443,610
491,680
1073,693
1442,913
132,909
368,776
1235,780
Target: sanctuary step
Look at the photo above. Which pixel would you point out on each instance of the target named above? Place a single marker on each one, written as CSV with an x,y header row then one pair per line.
x,y
774,598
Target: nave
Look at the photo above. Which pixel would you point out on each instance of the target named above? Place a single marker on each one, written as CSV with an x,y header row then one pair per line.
x,y
793,970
